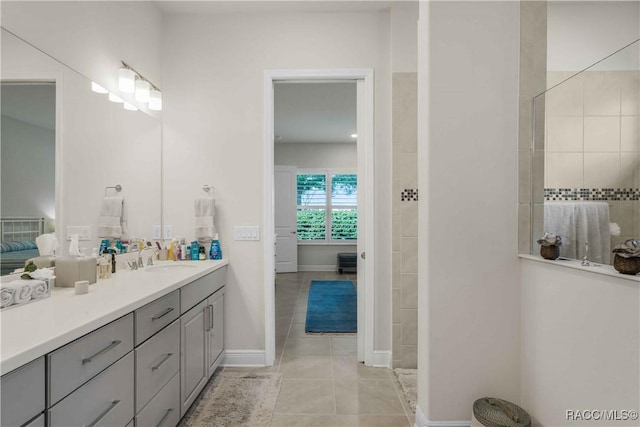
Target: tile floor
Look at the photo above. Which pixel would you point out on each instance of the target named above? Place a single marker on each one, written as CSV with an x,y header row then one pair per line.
x,y
322,382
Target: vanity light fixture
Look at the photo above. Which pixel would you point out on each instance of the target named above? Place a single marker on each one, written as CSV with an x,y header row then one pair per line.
x,y
130,107
97,88
131,81
155,100
115,98
126,80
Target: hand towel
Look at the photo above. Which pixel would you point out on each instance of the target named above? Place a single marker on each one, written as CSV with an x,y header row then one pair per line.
x,y
22,290
205,207
112,221
204,220
39,289
6,296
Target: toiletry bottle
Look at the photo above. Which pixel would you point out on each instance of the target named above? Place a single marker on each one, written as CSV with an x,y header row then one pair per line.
x,y
113,262
201,255
195,250
215,252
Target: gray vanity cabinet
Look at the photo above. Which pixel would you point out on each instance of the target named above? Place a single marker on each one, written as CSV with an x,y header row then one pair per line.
x,y
23,394
215,331
193,356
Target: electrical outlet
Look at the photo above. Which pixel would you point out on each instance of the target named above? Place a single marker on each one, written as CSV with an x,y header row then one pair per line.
x,y
83,232
168,232
246,233
156,232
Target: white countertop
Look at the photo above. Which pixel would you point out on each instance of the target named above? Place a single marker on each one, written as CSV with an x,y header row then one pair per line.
x,y
33,330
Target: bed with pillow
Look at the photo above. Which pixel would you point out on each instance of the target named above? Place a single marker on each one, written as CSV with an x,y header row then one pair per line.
x,y
17,243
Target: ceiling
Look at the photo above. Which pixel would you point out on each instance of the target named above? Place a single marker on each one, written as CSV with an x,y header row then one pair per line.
x,y
318,112
242,6
33,103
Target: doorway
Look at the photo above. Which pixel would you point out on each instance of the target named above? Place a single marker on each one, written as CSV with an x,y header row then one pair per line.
x,y
363,81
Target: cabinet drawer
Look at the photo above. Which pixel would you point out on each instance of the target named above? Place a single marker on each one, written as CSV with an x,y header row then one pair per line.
x,y
106,400
22,393
201,288
156,315
156,362
77,362
164,408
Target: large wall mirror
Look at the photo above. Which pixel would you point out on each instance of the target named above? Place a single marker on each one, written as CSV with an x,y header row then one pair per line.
x,y
587,130
64,148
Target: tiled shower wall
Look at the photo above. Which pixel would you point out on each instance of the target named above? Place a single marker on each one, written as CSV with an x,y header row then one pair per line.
x,y
405,220
592,143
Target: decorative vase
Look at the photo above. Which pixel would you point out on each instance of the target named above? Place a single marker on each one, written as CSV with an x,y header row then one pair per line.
x,y
550,252
626,265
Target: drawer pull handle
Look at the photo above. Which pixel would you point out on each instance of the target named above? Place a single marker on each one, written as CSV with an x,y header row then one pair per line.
x,y
104,414
164,417
210,317
107,348
162,362
161,315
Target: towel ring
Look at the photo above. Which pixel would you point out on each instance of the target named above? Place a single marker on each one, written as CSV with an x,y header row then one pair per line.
x,y
207,188
117,187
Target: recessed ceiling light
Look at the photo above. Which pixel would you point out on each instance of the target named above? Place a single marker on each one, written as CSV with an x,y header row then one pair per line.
x,y
354,135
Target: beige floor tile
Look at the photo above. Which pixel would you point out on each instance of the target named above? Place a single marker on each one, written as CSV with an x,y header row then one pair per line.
x,y
344,345
283,420
372,421
307,346
297,331
317,367
306,397
300,316
378,397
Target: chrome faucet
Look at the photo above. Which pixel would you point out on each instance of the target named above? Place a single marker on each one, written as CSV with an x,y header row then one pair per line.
x,y
585,258
149,260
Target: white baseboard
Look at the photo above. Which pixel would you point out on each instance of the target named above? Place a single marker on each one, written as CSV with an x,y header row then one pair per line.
x,y
314,267
422,421
381,359
243,358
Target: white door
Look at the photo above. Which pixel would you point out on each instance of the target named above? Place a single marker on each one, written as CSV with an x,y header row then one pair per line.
x,y
285,178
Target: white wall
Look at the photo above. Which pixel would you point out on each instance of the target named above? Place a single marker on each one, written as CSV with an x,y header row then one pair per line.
x,y
315,155
469,292
580,343
213,132
28,170
404,36
310,155
92,37
583,32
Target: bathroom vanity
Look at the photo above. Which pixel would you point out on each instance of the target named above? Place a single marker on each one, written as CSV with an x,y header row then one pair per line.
x,y
137,349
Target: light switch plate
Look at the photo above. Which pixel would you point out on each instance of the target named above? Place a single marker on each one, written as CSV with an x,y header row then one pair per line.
x,y
83,232
156,232
168,232
246,233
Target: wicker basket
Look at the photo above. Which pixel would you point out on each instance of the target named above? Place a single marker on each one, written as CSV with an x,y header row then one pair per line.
x,y
550,252
626,265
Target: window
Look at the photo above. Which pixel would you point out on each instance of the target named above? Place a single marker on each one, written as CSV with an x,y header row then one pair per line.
x,y
327,206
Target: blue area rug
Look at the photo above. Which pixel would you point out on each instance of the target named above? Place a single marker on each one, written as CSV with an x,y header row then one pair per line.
x,y
332,307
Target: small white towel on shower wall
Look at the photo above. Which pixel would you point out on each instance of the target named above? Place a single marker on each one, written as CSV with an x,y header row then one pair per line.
x,y
113,219
204,229
579,223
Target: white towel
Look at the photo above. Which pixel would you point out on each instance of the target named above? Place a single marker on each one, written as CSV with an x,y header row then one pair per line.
x,y
22,290
204,221
6,296
579,223
39,289
205,207
113,218
204,234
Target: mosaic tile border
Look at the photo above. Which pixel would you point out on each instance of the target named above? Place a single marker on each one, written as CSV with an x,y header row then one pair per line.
x,y
409,195
592,194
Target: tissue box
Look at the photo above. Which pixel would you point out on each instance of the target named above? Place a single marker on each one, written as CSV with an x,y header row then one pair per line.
x,y
42,261
70,269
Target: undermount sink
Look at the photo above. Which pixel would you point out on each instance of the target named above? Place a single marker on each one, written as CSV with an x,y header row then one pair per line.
x,y
168,267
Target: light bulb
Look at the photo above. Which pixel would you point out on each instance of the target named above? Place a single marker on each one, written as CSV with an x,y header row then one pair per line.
x,y
97,88
115,98
130,107
155,100
142,90
126,80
